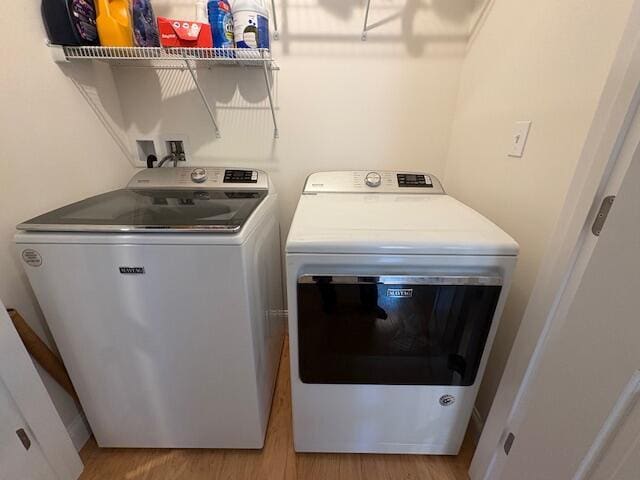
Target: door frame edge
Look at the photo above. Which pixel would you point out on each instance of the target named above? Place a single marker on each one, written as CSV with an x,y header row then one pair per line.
x,y
597,174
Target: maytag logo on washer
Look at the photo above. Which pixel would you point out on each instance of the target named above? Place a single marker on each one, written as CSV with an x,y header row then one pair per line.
x,y
400,292
132,270
32,257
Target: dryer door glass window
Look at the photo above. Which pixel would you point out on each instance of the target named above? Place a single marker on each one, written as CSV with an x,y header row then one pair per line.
x,y
394,330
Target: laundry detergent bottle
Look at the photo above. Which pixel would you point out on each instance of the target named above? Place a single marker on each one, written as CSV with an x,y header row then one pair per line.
x,y
115,27
70,22
221,22
251,23
145,27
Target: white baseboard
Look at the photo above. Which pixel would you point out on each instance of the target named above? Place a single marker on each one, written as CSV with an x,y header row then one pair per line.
x,y
477,424
79,431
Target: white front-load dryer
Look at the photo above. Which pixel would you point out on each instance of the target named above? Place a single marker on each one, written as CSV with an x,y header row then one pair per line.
x,y
164,299
395,291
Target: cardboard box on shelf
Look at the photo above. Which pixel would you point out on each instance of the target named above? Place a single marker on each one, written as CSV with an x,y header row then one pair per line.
x,y
184,33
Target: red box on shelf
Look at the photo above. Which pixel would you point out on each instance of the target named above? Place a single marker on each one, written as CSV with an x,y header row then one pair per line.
x,y
184,33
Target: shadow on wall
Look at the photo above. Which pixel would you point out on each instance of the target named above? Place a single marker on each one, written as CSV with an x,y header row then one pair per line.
x,y
158,102
415,25
137,103
146,103
94,81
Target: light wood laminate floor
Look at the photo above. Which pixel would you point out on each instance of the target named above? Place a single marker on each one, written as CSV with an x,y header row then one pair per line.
x,y
276,461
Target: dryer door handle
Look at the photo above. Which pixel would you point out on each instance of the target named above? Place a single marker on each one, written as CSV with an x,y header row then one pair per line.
x,y
489,280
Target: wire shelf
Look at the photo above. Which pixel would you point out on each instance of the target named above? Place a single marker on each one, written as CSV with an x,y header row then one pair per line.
x,y
159,56
182,58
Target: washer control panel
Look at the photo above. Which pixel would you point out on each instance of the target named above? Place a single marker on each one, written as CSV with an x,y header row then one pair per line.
x,y
240,176
367,181
373,179
199,175
200,178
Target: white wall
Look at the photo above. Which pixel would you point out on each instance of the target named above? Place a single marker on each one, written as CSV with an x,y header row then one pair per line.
x,y
53,151
543,61
342,103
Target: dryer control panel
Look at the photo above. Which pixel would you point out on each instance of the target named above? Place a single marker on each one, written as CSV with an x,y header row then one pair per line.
x,y
199,178
373,181
417,180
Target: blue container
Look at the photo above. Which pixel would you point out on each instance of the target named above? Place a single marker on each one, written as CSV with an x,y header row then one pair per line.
x,y
221,22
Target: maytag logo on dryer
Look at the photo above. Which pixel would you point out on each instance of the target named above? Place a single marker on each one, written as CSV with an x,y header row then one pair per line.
x,y
132,270
400,292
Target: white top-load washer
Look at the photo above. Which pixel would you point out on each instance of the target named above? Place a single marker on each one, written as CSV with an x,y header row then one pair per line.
x,y
165,300
395,290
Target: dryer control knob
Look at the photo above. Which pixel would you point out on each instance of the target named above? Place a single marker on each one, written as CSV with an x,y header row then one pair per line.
x,y
199,175
373,179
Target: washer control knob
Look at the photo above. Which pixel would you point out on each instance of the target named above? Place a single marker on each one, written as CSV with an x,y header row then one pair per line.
x,y
199,175
373,179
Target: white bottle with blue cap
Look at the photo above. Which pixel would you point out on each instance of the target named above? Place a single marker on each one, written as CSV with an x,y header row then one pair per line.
x,y
251,23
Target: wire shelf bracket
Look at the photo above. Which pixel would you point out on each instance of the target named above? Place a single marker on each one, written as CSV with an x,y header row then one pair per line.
x,y
274,15
267,82
204,98
177,58
365,27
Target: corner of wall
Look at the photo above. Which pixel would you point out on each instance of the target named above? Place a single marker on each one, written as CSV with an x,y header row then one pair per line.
x,y
480,15
476,425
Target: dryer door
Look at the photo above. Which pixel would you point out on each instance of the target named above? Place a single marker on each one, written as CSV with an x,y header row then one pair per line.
x,y
394,330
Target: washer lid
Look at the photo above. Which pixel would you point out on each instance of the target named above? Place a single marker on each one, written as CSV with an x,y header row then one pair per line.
x,y
145,210
393,224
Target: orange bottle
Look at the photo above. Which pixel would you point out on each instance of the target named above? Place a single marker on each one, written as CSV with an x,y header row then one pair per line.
x,y
114,23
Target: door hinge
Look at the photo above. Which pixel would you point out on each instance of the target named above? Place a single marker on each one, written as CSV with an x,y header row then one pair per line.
x,y
601,218
24,438
508,443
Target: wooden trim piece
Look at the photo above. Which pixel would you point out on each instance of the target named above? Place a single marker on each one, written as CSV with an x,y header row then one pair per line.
x,y
41,353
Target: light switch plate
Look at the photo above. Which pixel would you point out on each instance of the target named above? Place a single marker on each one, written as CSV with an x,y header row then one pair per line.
x,y
519,138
